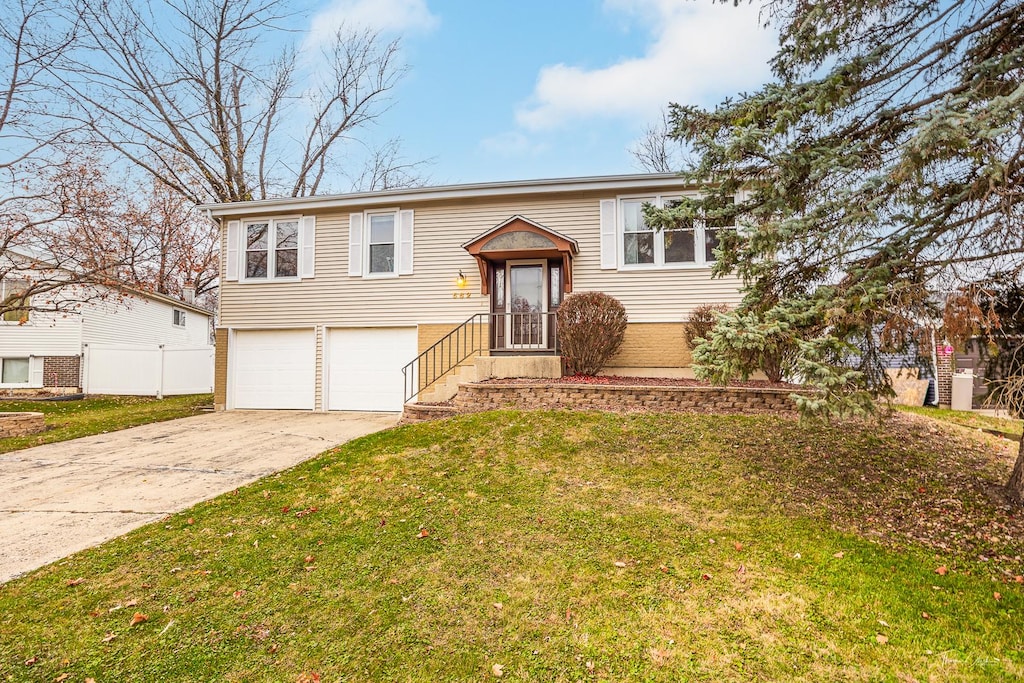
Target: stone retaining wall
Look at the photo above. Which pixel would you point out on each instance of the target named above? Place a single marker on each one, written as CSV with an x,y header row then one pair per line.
x,y
21,424
533,396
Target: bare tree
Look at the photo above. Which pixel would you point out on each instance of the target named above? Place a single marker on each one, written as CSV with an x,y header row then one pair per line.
x,y
39,270
656,151
386,169
191,89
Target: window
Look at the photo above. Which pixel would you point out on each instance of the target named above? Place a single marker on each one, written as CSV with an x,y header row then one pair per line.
x,y
271,249
381,242
13,300
178,318
675,246
14,371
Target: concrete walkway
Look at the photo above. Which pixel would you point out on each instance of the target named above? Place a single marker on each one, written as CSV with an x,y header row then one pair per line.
x,y
61,498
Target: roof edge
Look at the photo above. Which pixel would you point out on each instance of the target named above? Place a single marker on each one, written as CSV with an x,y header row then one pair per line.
x,y
462,191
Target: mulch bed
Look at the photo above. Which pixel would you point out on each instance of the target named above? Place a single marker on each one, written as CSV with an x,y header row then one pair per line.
x,y
620,380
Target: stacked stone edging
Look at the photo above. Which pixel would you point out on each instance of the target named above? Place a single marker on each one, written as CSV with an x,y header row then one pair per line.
x,y
422,412
21,424
682,399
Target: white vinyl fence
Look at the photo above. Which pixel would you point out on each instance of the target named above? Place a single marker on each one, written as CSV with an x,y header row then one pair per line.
x,y
147,370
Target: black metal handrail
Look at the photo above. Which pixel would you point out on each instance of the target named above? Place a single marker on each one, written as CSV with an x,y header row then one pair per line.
x,y
515,332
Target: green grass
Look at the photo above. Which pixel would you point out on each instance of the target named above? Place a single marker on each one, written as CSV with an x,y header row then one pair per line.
x,y
558,546
994,425
73,419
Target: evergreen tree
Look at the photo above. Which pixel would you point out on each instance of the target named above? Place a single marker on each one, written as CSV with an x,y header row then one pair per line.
x,y
884,163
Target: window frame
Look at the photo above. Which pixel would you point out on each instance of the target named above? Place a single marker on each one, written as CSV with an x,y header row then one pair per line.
x,y
178,317
4,284
272,222
16,385
395,242
700,260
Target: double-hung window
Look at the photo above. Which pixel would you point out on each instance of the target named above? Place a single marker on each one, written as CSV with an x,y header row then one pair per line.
x,y
381,241
14,370
272,248
13,300
178,317
690,241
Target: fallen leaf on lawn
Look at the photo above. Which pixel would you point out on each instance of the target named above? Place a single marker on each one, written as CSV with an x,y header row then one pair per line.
x,y
925,615
883,623
238,593
63,677
76,582
620,564
741,570
310,559
997,595
309,567
1019,579
882,640
498,606
664,569
423,533
95,613
839,555
498,670
796,556
266,494
109,637
138,618
706,577
131,603
311,677
90,680
942,571
190,521
31,660
273,648
737,545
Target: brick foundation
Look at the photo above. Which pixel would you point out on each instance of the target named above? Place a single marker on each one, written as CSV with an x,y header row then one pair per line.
x,y
21,424
62,371
540,396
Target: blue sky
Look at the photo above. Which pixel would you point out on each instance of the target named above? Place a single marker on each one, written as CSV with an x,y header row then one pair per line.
x,y
508,89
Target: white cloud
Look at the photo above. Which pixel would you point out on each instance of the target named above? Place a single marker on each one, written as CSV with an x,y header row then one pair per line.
x,y
387,16
700,51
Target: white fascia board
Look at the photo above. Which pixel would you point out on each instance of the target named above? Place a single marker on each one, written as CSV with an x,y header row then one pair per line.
x,y
617,184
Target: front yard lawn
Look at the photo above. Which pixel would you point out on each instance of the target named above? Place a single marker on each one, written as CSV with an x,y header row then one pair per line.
x,y
73,419
561,546
999,426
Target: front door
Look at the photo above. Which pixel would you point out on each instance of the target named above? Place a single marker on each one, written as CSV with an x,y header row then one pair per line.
x,y
526,305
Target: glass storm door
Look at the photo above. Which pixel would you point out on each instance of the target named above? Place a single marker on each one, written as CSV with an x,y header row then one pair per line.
x,y
525,320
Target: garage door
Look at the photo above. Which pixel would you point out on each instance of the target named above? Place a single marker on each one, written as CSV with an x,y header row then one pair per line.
x,y
365,367
274,369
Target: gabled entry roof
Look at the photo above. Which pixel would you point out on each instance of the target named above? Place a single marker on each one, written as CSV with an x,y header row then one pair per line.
x,y
519,237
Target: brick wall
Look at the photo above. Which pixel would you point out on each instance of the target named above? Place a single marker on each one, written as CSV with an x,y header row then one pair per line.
x,y
21,424
652,345
540,396
62,371
220,369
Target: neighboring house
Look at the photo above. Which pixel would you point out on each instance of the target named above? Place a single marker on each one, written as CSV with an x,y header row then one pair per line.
x,y
324,300
115,341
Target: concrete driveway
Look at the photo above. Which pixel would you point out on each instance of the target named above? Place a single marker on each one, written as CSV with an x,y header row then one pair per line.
x,y
61,498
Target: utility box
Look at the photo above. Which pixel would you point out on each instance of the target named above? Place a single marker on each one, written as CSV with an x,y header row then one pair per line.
x,y
963,391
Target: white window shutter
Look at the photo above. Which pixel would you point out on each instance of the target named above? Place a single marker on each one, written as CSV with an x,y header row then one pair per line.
x,y
609,238
234,241
35,372
405,231
355,244
307,239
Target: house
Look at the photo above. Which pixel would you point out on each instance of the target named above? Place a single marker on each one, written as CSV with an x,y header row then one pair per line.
x,y
325,300
105,340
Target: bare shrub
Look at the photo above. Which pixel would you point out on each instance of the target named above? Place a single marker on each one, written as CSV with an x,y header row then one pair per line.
x,y
591,327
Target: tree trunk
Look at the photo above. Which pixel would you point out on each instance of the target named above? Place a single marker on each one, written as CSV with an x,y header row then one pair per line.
x,y
1015,485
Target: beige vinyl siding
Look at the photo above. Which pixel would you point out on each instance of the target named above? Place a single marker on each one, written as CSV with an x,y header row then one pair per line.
x,y
333,298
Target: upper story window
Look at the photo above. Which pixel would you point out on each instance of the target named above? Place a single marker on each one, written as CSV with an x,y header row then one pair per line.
x,y
269,249
272,248
178,317
13,300
689,242
380,243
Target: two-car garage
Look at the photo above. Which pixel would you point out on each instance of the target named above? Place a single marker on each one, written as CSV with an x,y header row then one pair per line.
x,y
277,369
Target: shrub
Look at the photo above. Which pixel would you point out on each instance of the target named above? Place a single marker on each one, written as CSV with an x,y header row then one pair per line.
x,y
591,327
701,322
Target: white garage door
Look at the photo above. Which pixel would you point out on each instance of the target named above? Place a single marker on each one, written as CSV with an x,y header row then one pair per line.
x,y
274,369
365,367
